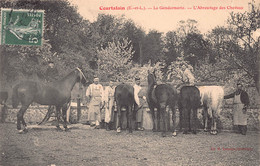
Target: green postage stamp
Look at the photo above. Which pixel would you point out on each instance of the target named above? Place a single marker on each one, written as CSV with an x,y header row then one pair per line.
x,y
21,27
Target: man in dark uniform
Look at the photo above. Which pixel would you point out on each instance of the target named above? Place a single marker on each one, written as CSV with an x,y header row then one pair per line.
x,y
51,74
240,104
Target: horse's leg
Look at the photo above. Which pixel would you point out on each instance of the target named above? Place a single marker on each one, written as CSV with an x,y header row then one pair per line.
x,y
130,119
180,118
58,118
214,123
20,119
173,120
186,119
47,116
194,121
205,117
164,116
118,122
64,115
158,118
153,118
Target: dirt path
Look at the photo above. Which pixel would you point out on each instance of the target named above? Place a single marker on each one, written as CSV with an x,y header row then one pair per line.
x,y
86,146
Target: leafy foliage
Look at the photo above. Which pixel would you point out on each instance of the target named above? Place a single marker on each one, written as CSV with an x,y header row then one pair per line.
x,y
115,60
115,47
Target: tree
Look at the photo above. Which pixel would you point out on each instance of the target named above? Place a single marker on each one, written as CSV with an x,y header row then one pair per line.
x,y
235,50
195,48
187,27
152,48
245,51
240,44
136,35
172,47
114,61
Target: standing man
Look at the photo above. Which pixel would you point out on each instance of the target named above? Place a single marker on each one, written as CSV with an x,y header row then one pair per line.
x,y
240,104
52,73
109,105
139,96
95,96
187,75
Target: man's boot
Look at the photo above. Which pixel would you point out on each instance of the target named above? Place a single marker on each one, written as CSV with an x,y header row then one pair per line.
x,y
243,129
139,126
112,126
107,127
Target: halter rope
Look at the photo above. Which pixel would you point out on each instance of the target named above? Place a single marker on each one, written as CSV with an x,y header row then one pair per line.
x,y
81,73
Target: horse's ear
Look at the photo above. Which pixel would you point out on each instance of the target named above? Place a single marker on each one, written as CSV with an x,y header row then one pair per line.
x,y
154,72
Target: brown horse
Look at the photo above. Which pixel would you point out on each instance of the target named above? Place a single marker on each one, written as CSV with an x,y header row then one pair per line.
x,y
161,96
189,102
56,93
124,97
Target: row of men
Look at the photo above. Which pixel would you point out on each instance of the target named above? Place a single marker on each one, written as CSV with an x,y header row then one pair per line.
x,y
99,98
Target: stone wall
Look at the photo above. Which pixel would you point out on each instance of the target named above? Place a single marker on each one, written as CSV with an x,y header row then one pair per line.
x,y
35,114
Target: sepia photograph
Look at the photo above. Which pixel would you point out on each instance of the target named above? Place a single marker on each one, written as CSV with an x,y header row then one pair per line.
x,y
129,82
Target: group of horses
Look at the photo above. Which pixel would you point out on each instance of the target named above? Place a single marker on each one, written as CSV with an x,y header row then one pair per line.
x,y
161,96
188,100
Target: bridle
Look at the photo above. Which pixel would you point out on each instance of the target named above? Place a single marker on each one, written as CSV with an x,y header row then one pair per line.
x,y
81,74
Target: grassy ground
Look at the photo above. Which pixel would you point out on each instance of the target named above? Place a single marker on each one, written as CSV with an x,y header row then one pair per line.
x,y
85,146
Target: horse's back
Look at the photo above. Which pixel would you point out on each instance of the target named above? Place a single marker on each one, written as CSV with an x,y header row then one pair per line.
x,y
189,96
46,94
124,93
212,96
164,90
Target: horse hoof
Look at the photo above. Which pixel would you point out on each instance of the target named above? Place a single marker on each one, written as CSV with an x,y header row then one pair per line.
x,y
185,132
118,130
174,134
21,132
213,132
163,135
67,129
59,129
205,130
154,130
25,130
194,132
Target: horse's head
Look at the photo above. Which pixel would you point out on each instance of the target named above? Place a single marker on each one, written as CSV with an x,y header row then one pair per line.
x,y
81,77
151,78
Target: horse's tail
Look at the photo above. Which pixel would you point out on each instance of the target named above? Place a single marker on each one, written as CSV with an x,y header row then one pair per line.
x,y
15,99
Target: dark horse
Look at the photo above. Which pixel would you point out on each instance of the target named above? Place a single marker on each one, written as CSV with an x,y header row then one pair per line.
x,y
124,97
161,96
3,97
189,102
56,93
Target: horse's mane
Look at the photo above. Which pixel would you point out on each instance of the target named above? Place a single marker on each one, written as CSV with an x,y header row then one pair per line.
x,y
153,81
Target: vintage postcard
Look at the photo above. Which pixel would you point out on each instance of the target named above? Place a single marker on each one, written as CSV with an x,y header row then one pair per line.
x,y
129,82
